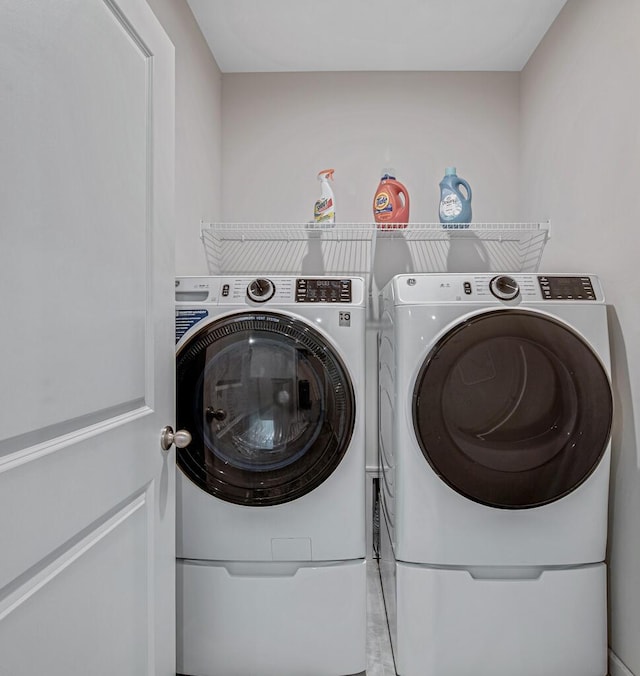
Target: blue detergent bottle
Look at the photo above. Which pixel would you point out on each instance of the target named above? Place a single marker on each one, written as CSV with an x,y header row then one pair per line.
x,y
455,205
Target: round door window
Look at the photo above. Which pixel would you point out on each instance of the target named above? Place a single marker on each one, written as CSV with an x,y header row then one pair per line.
x,y
512,409
270,407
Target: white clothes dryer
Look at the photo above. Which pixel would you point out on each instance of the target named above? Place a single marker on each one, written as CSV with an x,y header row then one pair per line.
x,y
271,490
495,420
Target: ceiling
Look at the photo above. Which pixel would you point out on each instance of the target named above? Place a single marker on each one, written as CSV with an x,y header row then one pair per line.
x,y
373,35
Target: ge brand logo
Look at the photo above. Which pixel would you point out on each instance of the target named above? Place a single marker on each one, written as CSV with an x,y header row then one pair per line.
x,y
411,281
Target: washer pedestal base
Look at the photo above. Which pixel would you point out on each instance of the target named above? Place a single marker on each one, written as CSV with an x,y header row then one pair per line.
x,y
272,619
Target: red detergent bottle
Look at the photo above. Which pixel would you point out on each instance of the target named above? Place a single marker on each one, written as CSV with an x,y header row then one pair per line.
x,y
391,202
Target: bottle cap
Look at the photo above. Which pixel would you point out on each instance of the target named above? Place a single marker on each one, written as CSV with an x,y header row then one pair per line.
x,y
388,172
326,173
450,171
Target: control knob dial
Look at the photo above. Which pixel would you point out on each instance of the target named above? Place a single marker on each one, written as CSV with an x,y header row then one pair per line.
x,y
261,290
504,287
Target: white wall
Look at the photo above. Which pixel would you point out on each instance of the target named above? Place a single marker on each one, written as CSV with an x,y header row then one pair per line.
x,y
580,167
280,129
198,129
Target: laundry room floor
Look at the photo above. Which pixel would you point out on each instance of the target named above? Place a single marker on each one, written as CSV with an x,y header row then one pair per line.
x,y
379,656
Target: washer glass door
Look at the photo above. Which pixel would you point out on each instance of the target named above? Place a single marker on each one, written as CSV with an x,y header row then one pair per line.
x,y
512,409
269,405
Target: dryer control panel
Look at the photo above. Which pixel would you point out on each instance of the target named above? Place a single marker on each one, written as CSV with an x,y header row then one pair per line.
x,y
504,288
553,287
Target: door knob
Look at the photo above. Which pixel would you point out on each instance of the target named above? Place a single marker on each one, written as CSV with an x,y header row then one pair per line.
x,y
168,437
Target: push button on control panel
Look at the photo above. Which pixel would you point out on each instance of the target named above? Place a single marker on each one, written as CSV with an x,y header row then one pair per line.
x,y
467,288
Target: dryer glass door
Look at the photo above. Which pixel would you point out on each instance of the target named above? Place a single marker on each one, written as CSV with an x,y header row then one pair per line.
x,y
270,407
512,409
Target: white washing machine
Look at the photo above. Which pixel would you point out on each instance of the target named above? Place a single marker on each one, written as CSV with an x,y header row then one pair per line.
x,y
495,419
271,490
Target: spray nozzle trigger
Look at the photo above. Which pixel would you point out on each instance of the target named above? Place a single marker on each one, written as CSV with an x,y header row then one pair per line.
x,y
326,173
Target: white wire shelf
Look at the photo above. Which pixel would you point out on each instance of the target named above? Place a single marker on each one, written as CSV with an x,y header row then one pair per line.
x,y
363,248
288,248
482,247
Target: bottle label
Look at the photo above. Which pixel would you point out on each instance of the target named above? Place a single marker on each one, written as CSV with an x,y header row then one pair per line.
x,y
383,203
323,210
450,205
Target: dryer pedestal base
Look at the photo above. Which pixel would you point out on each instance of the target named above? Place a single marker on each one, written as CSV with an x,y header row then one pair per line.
x,y
449,623
271,619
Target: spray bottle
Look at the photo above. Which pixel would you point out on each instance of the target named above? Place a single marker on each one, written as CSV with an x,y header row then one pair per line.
x,y
325,208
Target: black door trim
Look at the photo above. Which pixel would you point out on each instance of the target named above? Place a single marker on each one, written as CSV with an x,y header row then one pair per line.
x,y
512,409
324,405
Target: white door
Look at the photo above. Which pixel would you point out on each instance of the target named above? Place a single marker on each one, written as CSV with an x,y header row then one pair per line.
x,y
86,339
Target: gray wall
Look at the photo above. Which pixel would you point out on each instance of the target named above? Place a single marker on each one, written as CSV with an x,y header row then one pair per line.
x,y
580,167
280,129
198,128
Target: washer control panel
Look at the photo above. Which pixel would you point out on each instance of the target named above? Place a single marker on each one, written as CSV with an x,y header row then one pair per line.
x,y
272,290
323,290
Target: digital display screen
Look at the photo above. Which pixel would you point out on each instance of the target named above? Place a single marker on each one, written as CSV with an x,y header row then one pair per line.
x,y
323,290
566,288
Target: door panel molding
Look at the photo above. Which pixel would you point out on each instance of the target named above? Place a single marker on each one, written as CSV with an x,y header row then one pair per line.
x,y
31,582
33,445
